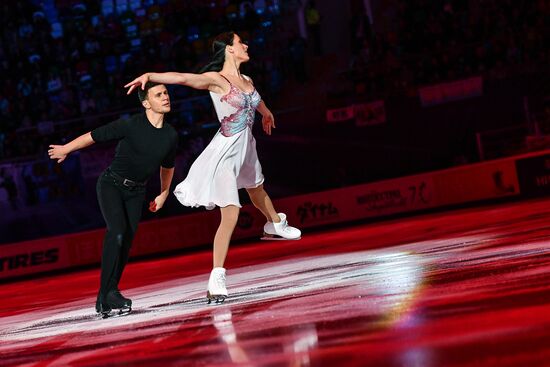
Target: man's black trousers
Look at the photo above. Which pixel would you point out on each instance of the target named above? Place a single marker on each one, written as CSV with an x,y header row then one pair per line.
x,y
121,207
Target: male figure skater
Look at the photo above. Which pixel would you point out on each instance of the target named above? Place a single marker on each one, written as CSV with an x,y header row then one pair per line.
x,y
145,143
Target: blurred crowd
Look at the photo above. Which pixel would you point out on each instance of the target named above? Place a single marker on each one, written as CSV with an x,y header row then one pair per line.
x,y
437,41
62,60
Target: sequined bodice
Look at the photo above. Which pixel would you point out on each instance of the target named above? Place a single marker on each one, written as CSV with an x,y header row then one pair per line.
x,y
235,109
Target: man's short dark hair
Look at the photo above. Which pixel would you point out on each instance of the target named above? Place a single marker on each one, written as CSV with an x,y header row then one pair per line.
x,y
142,93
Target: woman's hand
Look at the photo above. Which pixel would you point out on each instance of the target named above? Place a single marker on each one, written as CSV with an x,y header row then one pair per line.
x,y
268,122
137,82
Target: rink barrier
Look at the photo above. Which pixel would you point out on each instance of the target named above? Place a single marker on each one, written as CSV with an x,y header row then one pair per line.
x,y
496,179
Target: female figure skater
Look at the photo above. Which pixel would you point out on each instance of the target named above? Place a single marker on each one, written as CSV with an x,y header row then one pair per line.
x,y
230,161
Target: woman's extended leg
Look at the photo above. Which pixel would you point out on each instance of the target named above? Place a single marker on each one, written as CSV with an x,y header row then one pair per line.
x,y
261,200
276,226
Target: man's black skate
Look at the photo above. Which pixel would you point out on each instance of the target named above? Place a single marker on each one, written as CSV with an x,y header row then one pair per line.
x,y
113,301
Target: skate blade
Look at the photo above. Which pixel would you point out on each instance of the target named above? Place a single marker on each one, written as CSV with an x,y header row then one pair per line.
x,y
274,237
218,298
115,312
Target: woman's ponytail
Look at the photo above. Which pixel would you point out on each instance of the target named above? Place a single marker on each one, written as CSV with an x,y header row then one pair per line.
x,y
218,49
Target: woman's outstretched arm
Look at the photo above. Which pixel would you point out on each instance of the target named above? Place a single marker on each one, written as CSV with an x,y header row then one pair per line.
x,y
209,80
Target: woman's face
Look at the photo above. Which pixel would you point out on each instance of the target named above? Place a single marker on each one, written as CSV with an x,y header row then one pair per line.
x,y
240,49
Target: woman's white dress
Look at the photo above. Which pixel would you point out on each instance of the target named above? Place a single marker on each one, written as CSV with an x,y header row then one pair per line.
x,y
230,161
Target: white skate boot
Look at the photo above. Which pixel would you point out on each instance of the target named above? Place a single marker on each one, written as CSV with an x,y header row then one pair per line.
x,y
281,230
216,286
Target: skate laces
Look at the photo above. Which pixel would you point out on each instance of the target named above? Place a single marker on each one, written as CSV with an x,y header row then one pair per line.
x,y
220,280
283,224
285,227
288,229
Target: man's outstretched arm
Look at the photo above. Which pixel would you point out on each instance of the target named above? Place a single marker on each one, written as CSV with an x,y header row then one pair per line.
x,y
60,152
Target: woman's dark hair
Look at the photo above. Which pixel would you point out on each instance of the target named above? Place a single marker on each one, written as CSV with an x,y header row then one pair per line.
x,y
218,50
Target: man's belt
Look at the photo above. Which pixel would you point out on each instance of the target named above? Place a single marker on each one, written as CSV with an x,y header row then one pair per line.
x,y
125,181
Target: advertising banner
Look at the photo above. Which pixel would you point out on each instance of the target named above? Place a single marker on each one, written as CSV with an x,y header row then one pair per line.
x,y
453,91
33,257
340,114
477,182
487,180
365,114
369,114
534,175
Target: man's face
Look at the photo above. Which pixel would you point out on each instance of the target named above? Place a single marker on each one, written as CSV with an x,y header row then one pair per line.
x,y
158,99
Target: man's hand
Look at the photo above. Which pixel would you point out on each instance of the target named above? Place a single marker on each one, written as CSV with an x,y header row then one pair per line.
x,y
58,152
157,204
137,82
268,122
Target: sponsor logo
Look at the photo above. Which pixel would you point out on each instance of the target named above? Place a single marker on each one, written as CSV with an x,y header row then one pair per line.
x,y
500,183
534,175
543,180
29,259
420,193
313,212
382,200
416,196
245,220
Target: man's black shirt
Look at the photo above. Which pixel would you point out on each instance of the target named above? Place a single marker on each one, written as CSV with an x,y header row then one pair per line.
x,y
142,147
